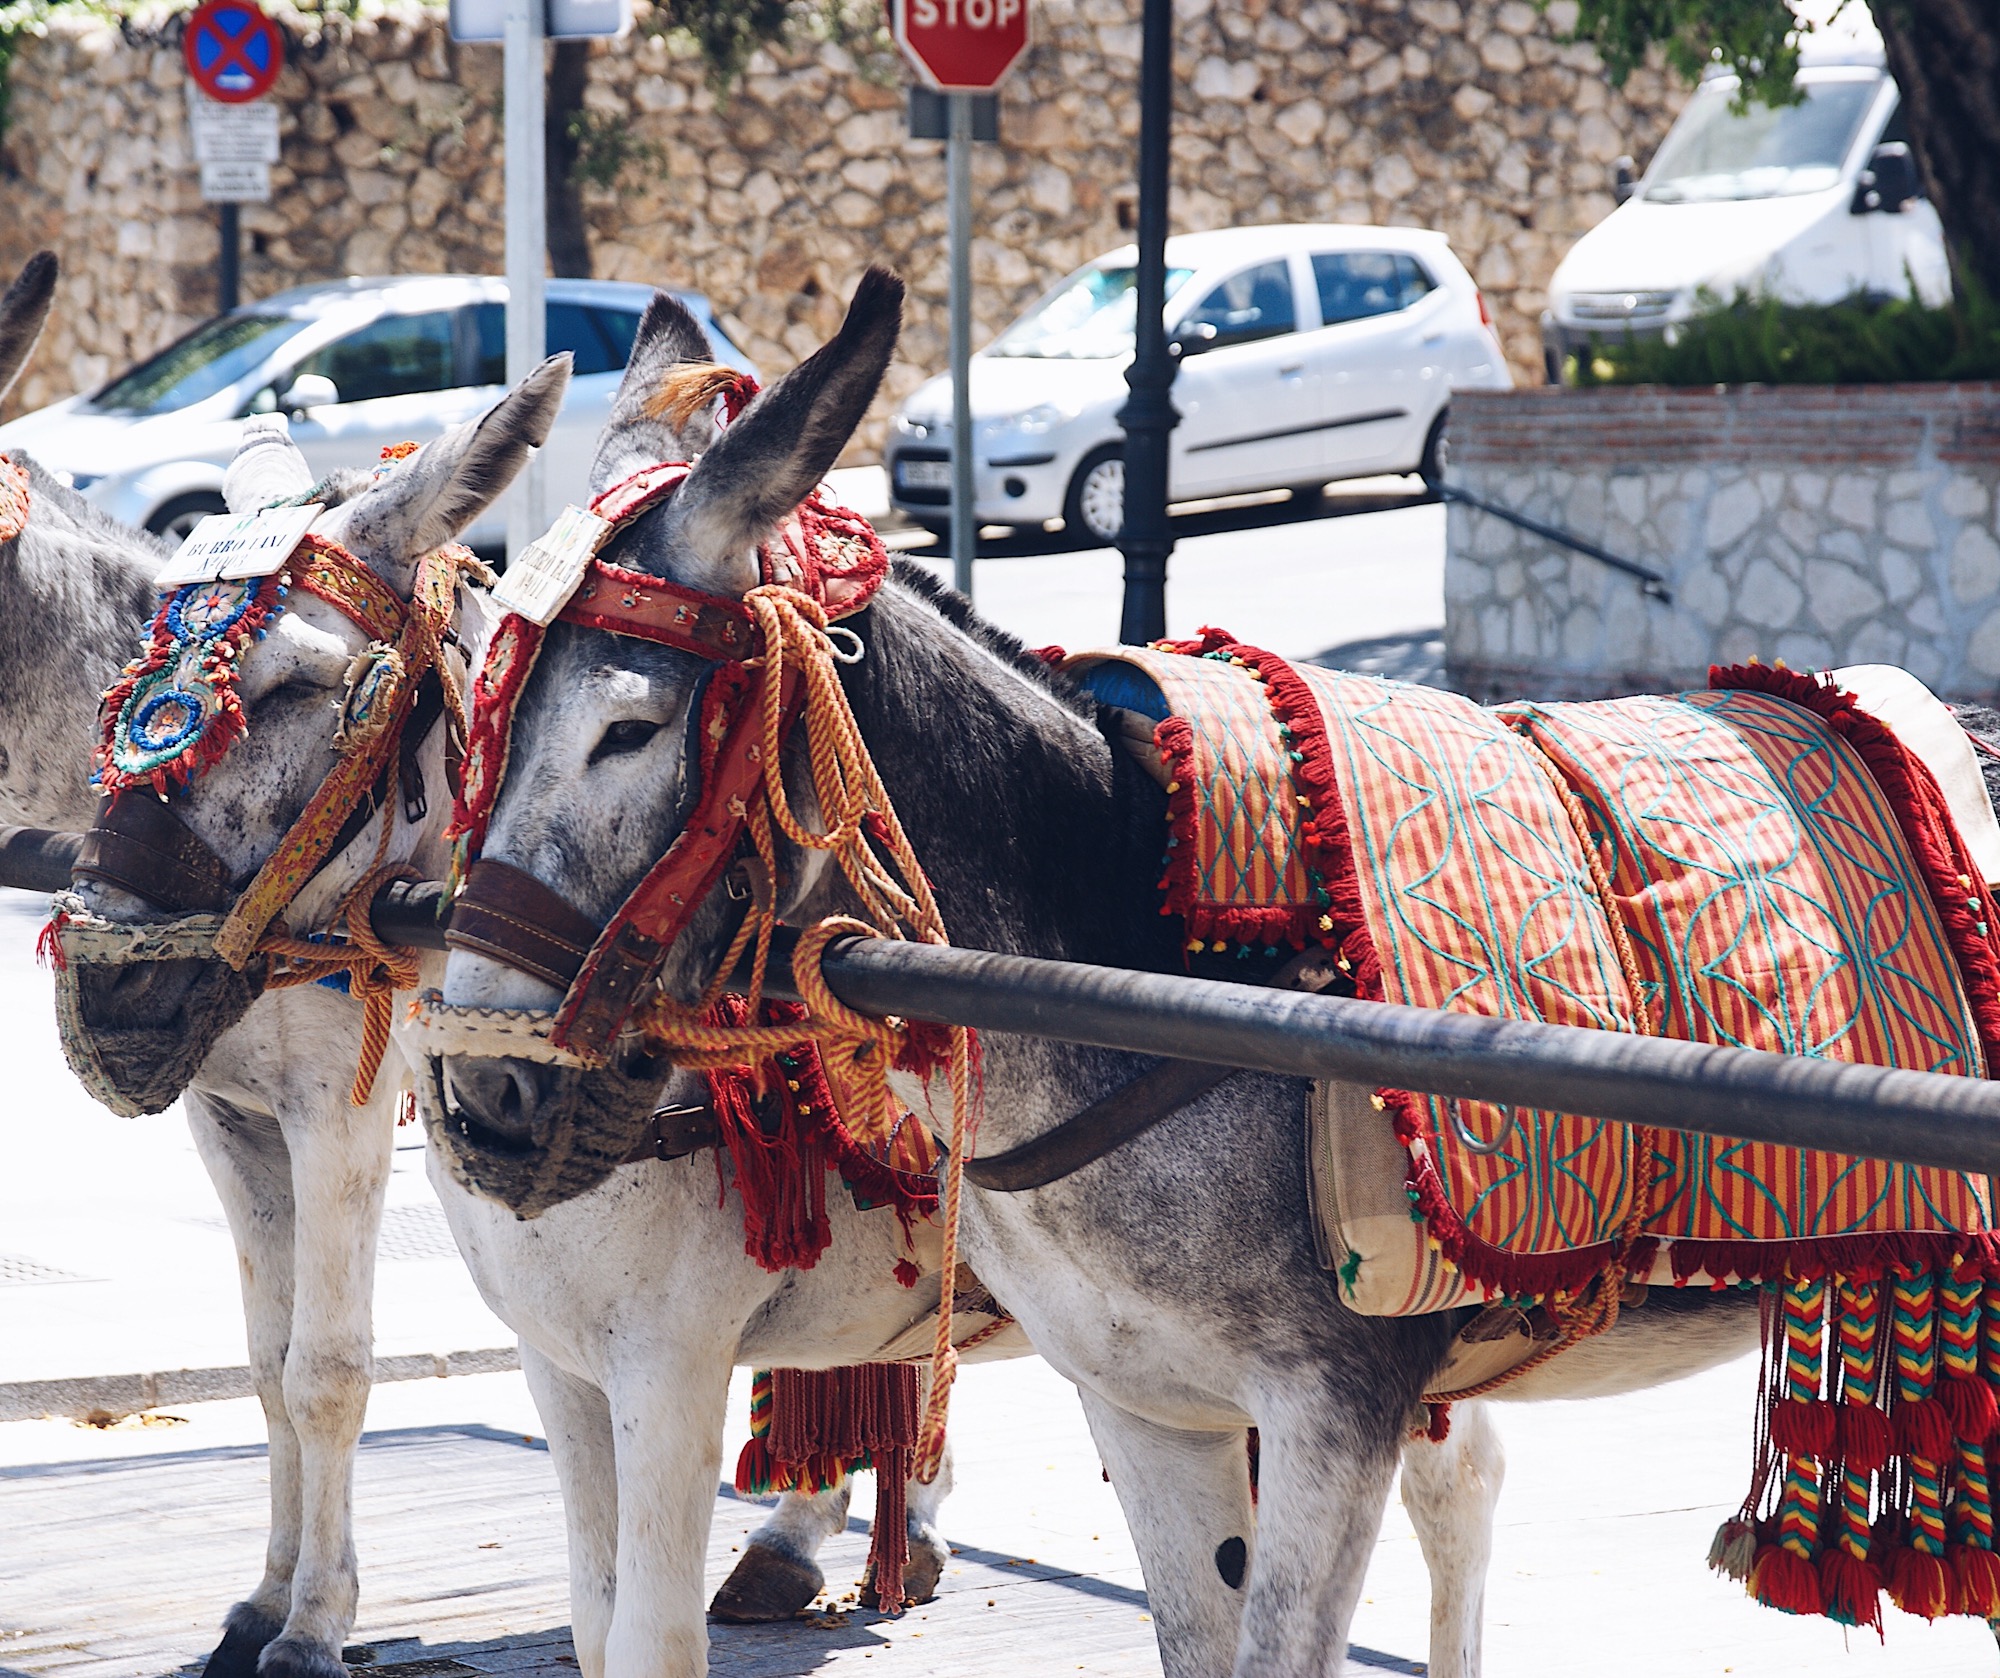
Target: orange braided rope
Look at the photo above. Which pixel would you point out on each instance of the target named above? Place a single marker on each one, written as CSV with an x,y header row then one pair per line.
x,y
894,895
375,970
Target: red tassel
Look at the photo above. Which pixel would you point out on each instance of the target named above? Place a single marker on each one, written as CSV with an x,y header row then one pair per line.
x,y
907,1273
1438,1428
1969,1403
889,1543
1782,1580
1919,1584
1803,1428
1923,1428
1976,1575
753,1467
1865,1441
1853,1589
48,946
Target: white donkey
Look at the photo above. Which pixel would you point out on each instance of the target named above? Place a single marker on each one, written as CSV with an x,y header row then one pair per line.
x,y
302,1171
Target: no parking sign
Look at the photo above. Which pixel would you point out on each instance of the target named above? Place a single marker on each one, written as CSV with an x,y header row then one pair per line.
x,y
233,51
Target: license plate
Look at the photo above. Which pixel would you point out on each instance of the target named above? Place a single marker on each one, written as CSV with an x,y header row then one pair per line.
x,y
923,474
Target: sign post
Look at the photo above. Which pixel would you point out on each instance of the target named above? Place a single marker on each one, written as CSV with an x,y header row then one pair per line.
x,y
527,241
233,54
521,26
962,48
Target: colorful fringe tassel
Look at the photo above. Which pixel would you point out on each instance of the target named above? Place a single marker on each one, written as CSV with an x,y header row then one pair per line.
x,y
811,1428
1873,1479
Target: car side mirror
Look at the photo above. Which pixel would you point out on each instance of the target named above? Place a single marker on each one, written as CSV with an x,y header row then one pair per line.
x,y
309,390
1192,339
1889,182
1624,179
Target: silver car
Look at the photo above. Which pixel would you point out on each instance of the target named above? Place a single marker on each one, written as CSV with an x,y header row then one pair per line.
x,y
1307,353
357,363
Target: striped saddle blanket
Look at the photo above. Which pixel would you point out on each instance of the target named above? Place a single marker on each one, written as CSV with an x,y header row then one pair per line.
x,y
1760,865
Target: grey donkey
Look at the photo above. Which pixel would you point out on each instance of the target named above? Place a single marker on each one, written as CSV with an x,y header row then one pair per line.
x,y
1175,1282
74,583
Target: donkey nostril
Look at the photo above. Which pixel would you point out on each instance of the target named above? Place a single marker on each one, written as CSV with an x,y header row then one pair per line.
x,y
498,1098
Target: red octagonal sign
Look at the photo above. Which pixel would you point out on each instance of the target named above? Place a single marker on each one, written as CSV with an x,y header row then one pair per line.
x,y
962,46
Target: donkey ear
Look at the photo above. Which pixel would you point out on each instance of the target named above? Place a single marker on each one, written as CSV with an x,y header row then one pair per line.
x,y
635,436
452,479
23,312
768,461
268,466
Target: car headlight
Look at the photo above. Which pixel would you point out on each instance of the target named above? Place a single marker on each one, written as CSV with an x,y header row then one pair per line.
x,y
75,480
1045,416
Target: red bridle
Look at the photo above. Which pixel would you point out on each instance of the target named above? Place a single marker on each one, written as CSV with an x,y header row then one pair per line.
x,y
826,552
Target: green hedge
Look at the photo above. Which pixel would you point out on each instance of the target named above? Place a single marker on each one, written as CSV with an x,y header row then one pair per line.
x,y
1859,341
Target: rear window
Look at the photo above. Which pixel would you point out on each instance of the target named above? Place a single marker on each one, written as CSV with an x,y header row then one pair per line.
x,y
600,339
210,358
1354,285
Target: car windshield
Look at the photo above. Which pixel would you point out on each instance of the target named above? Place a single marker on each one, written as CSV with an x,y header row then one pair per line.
x,y
1087,318
208,359
1718,152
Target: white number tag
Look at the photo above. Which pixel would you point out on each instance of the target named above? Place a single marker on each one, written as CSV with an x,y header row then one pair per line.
x,y
232,546
539,583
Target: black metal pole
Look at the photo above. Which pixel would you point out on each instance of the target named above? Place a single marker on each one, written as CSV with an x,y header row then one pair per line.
x,y
1918,1118
229,269
1149,415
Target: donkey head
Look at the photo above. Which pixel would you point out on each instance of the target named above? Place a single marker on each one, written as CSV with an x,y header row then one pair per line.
x,y
151,1024
602,775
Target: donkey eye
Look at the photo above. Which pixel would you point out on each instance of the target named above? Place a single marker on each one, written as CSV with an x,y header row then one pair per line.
x,y
624,737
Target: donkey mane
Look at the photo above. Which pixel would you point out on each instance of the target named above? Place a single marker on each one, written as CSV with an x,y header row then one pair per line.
x,y
46,490
687,389
960,613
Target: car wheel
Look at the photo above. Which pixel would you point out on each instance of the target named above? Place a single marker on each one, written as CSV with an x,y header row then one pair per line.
x,y
1095,505
1437,452
183,513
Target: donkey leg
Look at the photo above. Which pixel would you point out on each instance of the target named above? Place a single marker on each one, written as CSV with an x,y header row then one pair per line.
x,y
578,1424
1186,1497
247,1161
340,1162
1450,1491
667,1412
928,1550
1324,1477
779,1573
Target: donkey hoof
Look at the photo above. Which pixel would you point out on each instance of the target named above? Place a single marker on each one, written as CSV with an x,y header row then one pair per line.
x,y
294,1657
244,1633
767,1585
920,1578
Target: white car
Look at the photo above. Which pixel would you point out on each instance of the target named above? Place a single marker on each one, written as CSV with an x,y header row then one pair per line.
x,y
1306,353
357,363
1807,203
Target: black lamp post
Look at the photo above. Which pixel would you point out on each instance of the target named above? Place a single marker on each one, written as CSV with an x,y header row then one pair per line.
x,y
1149,414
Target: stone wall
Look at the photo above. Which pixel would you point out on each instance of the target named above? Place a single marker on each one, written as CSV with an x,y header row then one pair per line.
x,y
1467,115
1821,526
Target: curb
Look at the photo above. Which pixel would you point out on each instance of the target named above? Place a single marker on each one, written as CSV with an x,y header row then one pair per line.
x,y
92,1397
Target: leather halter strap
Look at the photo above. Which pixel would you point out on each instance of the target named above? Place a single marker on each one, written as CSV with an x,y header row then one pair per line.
x,y
138,841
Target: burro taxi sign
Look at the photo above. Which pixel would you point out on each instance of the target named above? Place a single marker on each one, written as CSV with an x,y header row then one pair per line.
x,y
962,46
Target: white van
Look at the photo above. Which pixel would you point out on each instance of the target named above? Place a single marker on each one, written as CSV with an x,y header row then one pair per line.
x,y
1808,203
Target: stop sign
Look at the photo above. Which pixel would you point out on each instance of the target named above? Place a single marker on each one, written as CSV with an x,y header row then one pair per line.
x,y
962,46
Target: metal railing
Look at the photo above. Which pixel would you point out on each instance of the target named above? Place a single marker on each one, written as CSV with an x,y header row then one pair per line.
x,y
1915,1118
